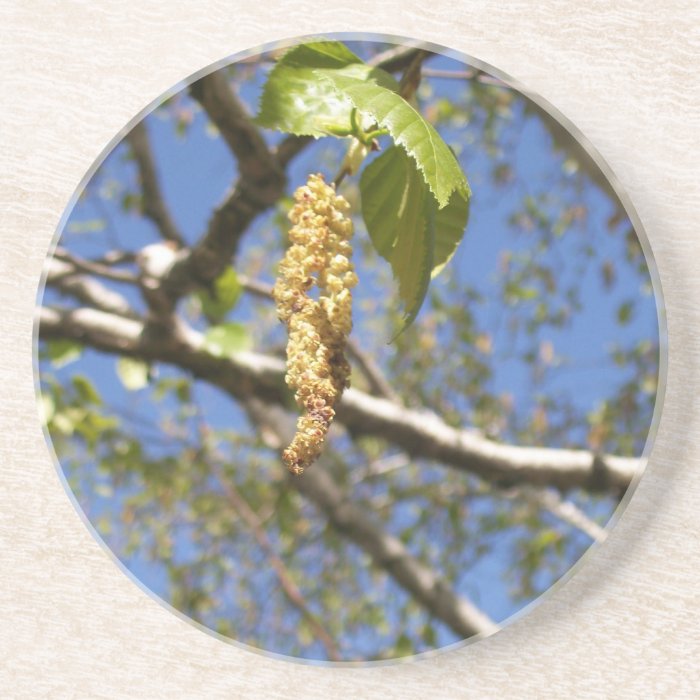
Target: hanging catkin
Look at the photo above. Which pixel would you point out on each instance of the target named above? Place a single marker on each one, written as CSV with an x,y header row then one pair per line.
x,y
317,370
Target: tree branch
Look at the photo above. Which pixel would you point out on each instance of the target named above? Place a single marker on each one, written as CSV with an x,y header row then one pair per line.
x,y
397,58
564,510
64,277
101,269
387,552
289,587
256,163
152,203
421,434
260,184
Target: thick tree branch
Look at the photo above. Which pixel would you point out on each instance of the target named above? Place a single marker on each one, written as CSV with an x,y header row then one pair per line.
x,y
256,163
260,184
152,203
421,434
387,552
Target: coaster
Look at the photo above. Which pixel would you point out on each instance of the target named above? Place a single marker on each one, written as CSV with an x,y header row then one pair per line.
x,y
350,349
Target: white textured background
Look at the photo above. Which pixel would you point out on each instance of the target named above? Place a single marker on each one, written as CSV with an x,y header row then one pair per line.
x,y
73,73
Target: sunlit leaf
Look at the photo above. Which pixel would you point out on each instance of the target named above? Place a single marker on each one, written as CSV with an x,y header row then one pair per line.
x,y
62,352
227,338
434,160
296,100
223,297
395,206
132,373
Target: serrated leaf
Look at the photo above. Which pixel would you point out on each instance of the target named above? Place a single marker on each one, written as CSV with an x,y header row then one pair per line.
x,y
383,187
132,373
412,258
399,212
405,226
450,224
224,296
297,101
226,339
434,159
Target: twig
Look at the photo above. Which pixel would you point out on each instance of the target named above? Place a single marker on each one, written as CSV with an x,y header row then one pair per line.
x,y
395,59
387,552
454,74
151,197
64,277
381,467
564,510
291,590
95,267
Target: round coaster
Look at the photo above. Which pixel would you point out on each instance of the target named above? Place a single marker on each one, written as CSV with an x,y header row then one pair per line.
x,y
349,349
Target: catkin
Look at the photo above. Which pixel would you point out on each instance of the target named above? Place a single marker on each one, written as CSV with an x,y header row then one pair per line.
x,y
317,369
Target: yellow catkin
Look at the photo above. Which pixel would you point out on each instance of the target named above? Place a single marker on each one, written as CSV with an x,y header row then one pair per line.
x,y
318,256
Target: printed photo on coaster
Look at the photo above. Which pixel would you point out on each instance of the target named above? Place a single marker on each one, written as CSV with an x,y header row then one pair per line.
x,y
349,349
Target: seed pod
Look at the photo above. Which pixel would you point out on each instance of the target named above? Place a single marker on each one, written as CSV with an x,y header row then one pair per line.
x,y
317,369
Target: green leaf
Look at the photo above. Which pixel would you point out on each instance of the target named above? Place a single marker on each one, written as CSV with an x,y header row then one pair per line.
x,y
87,226
85,390
625,312
405,226
62,352
412,257
450,224
385,190
226,339
224,296
132,373
403,646
394,205
434,159
296,100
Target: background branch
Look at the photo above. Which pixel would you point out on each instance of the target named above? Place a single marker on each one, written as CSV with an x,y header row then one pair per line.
x,y
386,551
64,277
566,511
94,267
418,433
289,587
152,203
